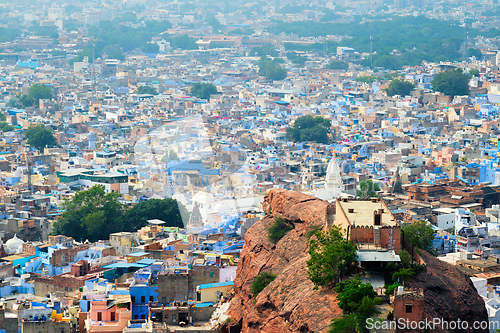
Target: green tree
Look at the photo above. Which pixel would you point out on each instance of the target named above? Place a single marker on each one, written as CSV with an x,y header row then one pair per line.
x,y
170,156
399,87
420,234
147,90
296,59
126,17
279,229
387,62
453,82
266,50
345,324
405,259
14,103
474,72
39,91
351,293
308,128
203,90
260,282
474,53
150,48
332,256
215,24
39,137
390,288
337,64
367,189
168,210
404,275
358,302
113,51
26,101
4,127
184,42
271,70
92,214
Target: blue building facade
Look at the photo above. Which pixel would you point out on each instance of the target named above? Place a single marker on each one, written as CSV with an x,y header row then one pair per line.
x,y
141,295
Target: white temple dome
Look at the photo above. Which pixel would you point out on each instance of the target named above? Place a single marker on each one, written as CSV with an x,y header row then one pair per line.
x,y
221,208
13,245
333,183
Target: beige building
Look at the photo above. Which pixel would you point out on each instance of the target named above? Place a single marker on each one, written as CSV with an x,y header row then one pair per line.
x,y
213,291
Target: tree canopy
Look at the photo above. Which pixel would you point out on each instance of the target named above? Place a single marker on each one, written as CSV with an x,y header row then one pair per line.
x,y
474,72
168,210
420,234
113,51
367,189
308,128
170,156
39,137
266,50
115,39
416,38
203,90
475,53
36,93
92,214
351,292
454,82
150,48
271,69
147,90
4,127
332,256
183,42
296,58
358,302
337,64
399,87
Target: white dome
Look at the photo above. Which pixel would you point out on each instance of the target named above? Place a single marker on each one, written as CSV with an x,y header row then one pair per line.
x,y
13,244
221,208
181,198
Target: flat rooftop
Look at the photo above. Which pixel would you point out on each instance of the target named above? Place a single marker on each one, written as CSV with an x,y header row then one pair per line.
x,y
362,212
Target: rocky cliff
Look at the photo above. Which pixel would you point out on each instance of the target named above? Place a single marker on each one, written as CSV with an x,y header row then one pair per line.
x,y
289,303
450,295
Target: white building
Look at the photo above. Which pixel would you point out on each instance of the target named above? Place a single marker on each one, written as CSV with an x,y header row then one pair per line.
x,y
493,308
55,13
333,183
445,217
164,46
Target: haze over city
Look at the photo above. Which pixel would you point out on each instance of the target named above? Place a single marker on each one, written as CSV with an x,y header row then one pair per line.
x,y
249,166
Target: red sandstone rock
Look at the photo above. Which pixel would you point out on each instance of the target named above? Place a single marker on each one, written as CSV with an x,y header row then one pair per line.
x,y
289,303
450,294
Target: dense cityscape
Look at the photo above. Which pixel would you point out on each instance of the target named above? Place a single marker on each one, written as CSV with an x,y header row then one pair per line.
x,y
249,166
